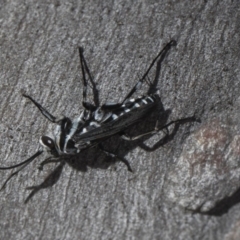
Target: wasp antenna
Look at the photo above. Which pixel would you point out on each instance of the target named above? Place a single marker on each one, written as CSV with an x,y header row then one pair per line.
x,y
24,162
15,173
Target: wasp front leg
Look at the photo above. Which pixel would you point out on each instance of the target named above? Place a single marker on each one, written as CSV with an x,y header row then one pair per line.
x,y
44,112
49,160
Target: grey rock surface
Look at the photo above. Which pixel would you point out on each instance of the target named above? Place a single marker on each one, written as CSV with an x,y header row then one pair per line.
x,y
185,186
208,169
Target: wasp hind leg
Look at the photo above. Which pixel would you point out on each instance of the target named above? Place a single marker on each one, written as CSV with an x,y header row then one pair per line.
x,y
158,129
126,137
140,82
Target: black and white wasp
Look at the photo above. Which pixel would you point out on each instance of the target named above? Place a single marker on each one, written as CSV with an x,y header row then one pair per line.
x,y
95,123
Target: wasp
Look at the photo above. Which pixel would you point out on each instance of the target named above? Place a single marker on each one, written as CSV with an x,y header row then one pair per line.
x,y
95,123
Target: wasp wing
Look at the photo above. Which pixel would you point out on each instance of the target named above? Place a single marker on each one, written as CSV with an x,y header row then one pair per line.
x,y
113,127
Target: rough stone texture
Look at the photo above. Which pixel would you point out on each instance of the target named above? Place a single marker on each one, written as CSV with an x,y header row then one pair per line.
x,y
209,163
183,188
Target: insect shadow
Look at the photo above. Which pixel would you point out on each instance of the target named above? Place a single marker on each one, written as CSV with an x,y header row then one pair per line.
x,y
222,207
82,143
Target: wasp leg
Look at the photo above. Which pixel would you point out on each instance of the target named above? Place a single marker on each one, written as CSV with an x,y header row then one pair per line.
x,y
157,129
47,161
140,82
44,112
115,156
110,106
126,137
84,67
94,88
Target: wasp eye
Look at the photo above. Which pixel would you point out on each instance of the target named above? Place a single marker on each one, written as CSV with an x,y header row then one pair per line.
x,y
48,142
